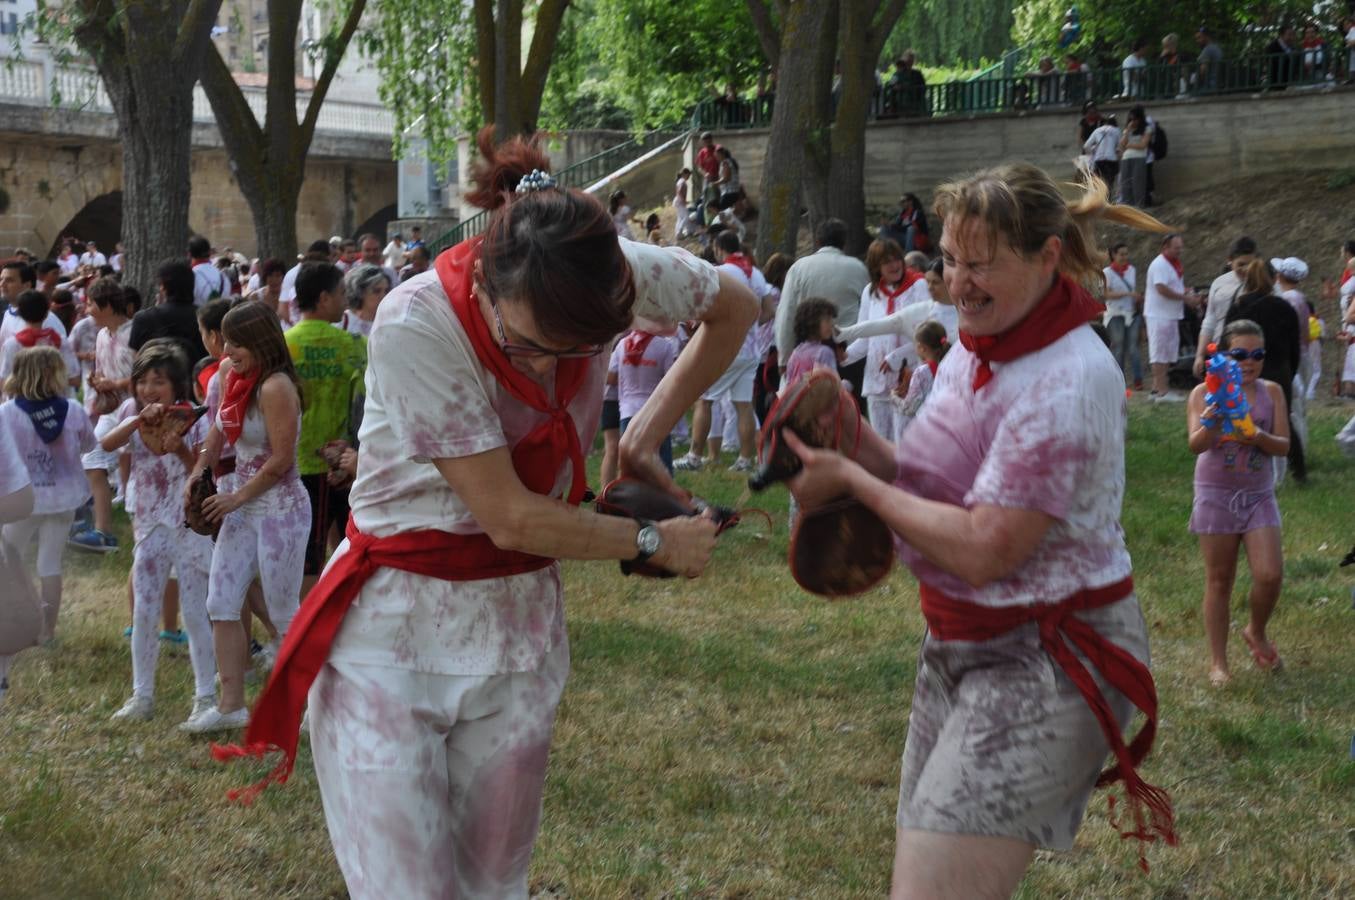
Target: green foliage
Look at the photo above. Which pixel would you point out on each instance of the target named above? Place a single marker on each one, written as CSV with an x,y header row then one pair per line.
x,y
650,59
1109,28
1341,178
951,33
425,52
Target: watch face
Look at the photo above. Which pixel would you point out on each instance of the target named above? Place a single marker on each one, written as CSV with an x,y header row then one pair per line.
x,y
648,539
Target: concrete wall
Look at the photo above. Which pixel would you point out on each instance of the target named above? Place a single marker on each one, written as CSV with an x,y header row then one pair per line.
x,y
1210,141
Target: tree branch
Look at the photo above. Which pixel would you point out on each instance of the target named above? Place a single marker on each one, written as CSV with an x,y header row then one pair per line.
x,y
768,35
485,55
235,120
882,24
197,19
332,60
545,35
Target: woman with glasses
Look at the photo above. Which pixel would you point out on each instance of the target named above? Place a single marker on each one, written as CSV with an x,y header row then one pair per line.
x,y
436,641
1281,327
1235,499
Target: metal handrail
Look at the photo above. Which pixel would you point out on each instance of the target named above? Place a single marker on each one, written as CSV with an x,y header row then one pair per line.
x,y
1061,89
586,171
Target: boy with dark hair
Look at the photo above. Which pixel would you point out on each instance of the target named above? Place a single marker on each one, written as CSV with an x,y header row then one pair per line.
x,y
330,364
33,309
16,277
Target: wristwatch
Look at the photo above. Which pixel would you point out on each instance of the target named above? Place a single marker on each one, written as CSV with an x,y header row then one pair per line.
x,y
648,541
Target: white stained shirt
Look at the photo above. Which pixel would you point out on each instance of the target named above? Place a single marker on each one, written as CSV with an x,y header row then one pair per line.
x,y
906,321
395,257
13,472
11,347
755,338
83,337
429,398
116,262
890,350
68,264
156,486
54,470
1103,144
209,283
1123,307
1157,305
1222,292
680,193
11,323
93,259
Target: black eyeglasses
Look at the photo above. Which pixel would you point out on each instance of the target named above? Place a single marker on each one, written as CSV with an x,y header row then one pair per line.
x,y
1239,354
528,351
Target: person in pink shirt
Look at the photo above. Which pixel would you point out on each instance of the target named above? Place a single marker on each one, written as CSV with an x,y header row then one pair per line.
x,y
814,347
1004,497
639,363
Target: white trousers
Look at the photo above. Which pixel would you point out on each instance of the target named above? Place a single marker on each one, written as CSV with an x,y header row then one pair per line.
x,y
189,554
432,783
270,548
884,417
51,529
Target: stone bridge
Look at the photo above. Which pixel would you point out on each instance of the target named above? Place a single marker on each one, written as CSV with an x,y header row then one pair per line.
x,y
61,166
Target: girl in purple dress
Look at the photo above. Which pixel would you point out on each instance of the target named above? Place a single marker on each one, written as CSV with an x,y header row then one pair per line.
x,y
1235,503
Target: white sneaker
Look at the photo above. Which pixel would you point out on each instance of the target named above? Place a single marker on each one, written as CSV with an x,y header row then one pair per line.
x,y
200,707
689,463
215,720
1170,397
136,709
742,464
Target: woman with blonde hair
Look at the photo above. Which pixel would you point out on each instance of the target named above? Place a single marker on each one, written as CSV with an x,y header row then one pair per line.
x,y
1004,494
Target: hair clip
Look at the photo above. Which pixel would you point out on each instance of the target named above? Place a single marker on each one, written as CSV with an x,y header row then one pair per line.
x,y
535,180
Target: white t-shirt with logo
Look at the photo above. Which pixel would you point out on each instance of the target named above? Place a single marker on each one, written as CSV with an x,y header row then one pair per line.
x,y
209,283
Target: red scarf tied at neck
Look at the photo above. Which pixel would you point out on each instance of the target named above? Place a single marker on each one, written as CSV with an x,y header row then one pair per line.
x,y
741,262
1065,307
1176,264
234,401
538,455
910,278
1119,268
33,336
634,346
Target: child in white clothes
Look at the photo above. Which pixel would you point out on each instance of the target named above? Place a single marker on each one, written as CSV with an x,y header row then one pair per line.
x,y
159,379
51,433
931,344
34,309
639,362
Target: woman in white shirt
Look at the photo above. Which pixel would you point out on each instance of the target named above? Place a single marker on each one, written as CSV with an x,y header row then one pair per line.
x,y
1134,158
1123,302
437,632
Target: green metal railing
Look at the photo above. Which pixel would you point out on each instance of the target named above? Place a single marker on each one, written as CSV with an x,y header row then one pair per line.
x,y
1061,89
581,174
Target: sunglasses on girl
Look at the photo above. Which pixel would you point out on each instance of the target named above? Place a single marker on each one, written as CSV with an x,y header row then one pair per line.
x,y
530,351
1239,354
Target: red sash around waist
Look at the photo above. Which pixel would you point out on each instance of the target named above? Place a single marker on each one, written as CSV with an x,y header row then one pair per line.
x,y
276,721
949,619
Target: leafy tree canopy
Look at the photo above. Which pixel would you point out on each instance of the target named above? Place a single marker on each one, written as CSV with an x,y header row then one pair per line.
x,y
951,33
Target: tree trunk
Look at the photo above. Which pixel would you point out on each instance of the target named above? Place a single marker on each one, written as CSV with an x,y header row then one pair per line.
x,y
863,30
799,110
149,61
510,95
270,162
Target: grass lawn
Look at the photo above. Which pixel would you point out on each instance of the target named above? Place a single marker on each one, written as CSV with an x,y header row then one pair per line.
x,y
735,737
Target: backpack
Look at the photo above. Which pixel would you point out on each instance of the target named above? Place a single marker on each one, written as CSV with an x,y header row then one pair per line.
x,y
1159,141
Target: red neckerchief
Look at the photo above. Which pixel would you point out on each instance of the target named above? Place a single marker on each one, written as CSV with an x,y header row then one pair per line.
x,y
910,278
949,619
205,376
234,401
1179,266
1065,307
1311,43
741,262
1119,269
933,365
537,457
275,723
33,336
1346,275
634,346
